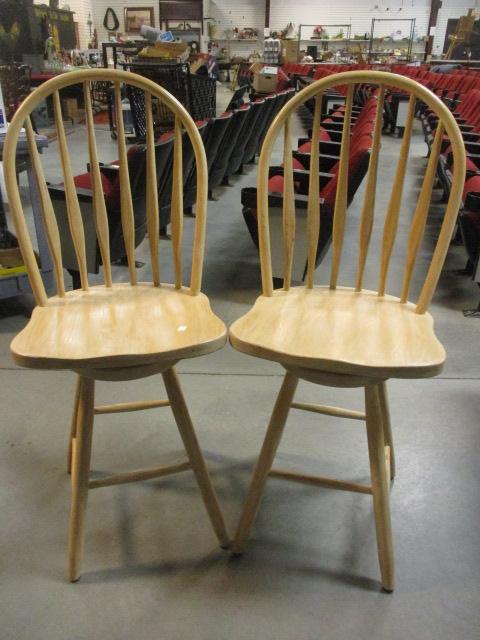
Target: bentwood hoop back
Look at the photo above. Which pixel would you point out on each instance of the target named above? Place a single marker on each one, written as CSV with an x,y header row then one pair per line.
x,y
348,336
114,331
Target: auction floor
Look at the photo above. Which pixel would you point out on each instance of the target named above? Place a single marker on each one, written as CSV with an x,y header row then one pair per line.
x,y
152,568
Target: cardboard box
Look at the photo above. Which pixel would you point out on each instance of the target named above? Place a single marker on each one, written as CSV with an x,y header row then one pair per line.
x,y
289,51
265,79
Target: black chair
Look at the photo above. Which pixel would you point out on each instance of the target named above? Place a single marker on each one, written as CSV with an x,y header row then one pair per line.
x,y
220,164
235,163
111,187
253,144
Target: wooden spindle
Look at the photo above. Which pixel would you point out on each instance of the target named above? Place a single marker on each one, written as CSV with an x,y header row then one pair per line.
x,y
73,206
126,207
421,212
49,219
200,210
368,211
341,196
288,207
391,219
177,203
152,192
99,208
313,206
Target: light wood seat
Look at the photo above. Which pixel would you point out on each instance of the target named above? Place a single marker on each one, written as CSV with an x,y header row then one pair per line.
x,y
119,326
342,336
342,331
115,332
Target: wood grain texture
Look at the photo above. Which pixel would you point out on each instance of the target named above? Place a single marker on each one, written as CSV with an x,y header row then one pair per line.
x,y
126,407
340,331
393,210
118,326
139,475
336,412
313,209
177,204
320,481
80,472
341,196
288,207
153,223
421,212
350,78
73,206
265,461
368,209
99,206
197,462
380,486
126,206
48,214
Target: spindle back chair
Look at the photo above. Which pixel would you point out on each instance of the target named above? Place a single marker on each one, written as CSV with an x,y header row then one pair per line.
x,y
116,331
348,336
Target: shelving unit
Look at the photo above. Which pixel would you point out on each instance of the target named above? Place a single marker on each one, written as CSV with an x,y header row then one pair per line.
x,y
372,54
325,41
229,42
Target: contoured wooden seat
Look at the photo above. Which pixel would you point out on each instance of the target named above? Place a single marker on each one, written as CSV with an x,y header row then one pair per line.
x,y
120,331
344,336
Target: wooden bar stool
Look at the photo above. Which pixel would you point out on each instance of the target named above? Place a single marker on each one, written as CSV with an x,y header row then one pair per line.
x,y
122,331
347,336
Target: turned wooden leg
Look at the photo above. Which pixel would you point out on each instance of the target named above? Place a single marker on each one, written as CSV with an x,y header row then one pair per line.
x,y
80,474
265,460
387,428
73,428
190,442
380,485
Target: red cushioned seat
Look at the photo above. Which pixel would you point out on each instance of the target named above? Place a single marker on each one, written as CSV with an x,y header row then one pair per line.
x,y
471,166
472,185
275,184
84,181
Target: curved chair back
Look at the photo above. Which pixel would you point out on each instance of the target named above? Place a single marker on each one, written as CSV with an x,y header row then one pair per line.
x,y
183,122
282,123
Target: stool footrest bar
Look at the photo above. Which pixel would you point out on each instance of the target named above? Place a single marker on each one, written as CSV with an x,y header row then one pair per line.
x,y
141,474
123,407
320,481
337,412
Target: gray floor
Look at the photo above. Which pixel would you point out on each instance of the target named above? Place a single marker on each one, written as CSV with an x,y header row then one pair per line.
x,y
152,568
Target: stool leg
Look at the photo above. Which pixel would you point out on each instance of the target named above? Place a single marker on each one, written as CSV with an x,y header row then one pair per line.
x,y
380,485
80,475
265,460
73,428
190,442
387,427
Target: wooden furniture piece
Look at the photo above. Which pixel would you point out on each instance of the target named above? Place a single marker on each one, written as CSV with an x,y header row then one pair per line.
x,y
116,331
463,33
345,336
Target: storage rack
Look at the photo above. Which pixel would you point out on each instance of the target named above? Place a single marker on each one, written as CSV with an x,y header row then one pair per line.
x,y
312,41
372,53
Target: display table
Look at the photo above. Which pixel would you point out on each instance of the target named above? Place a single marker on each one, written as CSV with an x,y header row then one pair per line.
x,y
16,284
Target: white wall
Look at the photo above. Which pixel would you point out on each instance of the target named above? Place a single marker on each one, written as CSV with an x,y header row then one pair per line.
x,y
100,6
250,13
358,13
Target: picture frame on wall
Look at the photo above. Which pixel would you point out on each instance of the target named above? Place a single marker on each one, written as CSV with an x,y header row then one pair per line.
x,y
135,17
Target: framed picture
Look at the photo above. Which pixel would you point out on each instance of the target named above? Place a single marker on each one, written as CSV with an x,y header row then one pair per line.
x,y
136,16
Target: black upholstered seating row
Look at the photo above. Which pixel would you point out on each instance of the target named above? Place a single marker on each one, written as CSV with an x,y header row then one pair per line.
x,y
231,140
465,106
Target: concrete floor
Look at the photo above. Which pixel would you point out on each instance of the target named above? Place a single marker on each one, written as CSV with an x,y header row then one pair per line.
x,y
152,568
